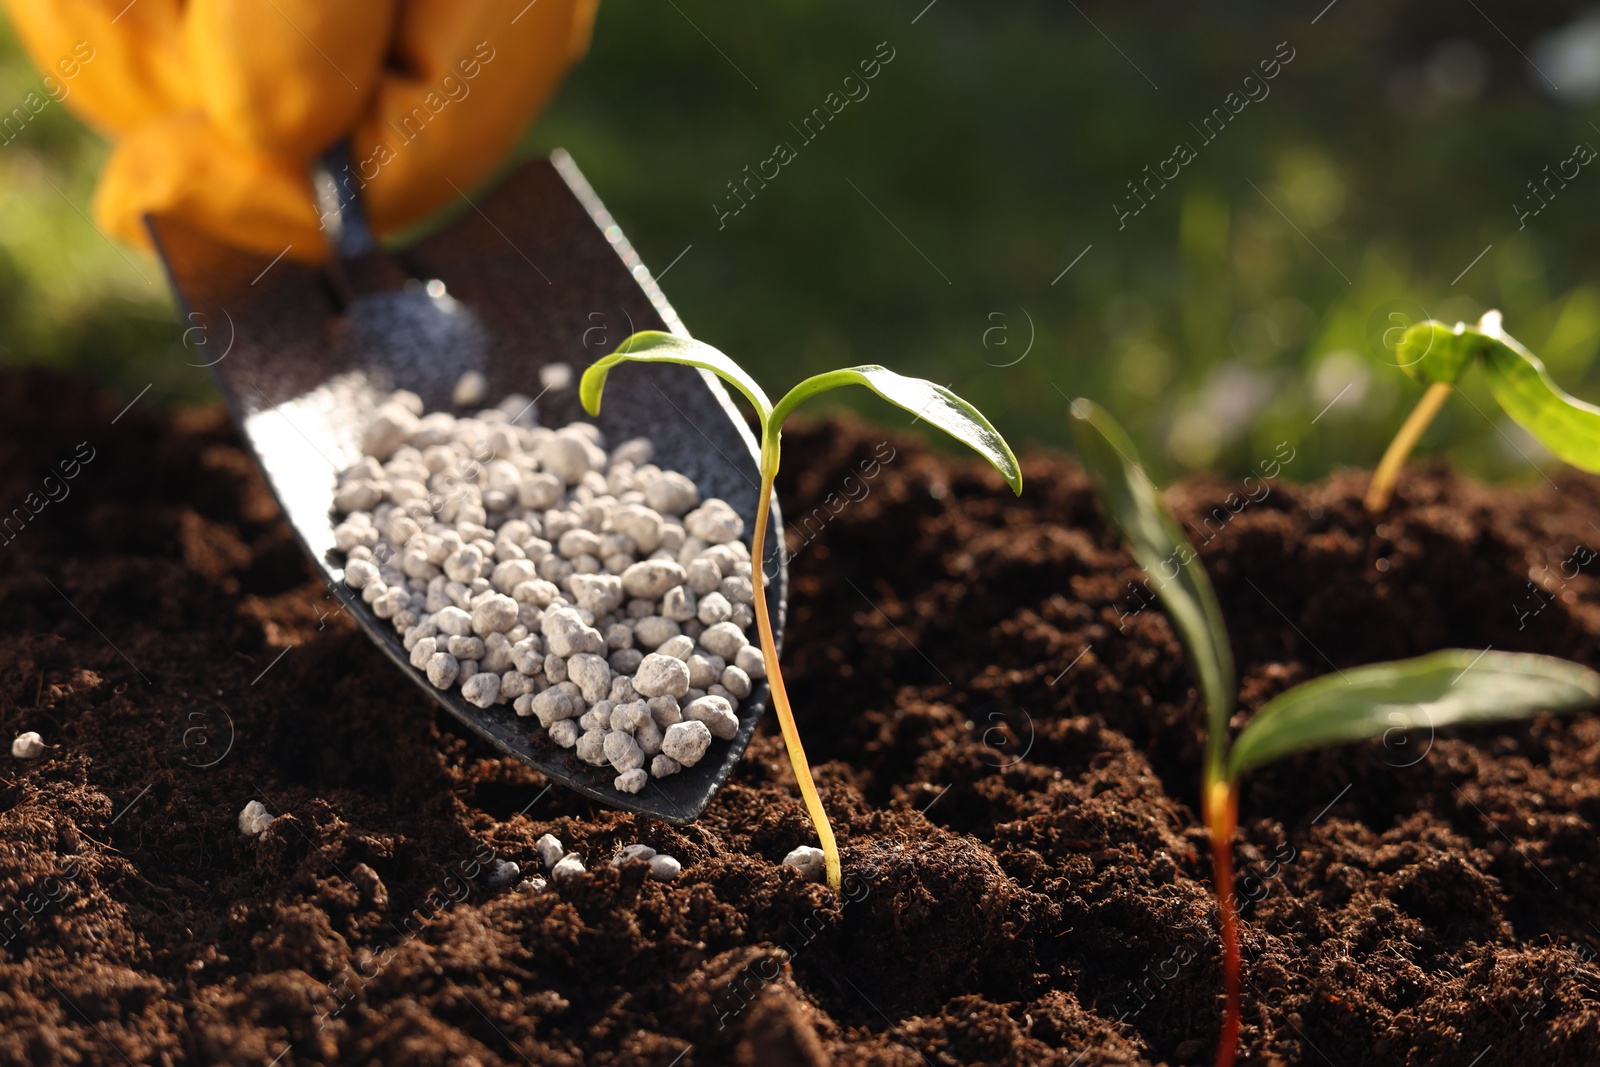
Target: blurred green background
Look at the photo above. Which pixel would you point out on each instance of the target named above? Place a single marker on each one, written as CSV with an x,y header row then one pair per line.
x,y
928,226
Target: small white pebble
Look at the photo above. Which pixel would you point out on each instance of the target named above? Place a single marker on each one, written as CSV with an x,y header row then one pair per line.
x,y
736,682
809,861
716,713
623,752
738,590
497,653
714,522
653,631
565,456
453,622
481,689
388,430
28,745
470,389
627,717
748,659
671,494
556,376
591,747
539,489
550,849
391,604
632,852
514,685
639,523
465,564
680,647
554,705
566,633
637,451
704,576
660,675
665,711
443,669
599,593
704,670
358,573
567,870
423,651
578,542
598,717
725,639
527,655
502,874
591,674
565,733
714,608
465,647
494,613
679,604
650,579
254,819
648,735
664,868
664,765
686,742
508,574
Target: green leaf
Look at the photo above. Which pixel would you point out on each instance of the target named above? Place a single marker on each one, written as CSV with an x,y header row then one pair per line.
x,y
1568,427
1433,352
1565,425
653,346
933,404
1159,546
1449,688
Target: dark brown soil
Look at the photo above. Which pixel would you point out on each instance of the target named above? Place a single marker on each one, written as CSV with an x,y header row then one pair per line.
x,y
1012,780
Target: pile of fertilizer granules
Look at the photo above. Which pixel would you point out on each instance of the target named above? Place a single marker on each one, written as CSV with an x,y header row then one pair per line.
x,y
592,591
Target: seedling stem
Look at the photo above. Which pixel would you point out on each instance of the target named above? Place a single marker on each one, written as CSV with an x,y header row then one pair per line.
x,y
1399,450
780,695
1221,815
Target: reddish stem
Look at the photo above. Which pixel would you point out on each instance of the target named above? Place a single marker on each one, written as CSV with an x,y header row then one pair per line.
x,y
1223,819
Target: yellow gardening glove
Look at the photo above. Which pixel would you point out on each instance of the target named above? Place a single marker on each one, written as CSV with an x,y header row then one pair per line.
x,y
218,108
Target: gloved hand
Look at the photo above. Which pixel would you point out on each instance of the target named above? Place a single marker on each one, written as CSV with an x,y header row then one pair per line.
x,y
218,108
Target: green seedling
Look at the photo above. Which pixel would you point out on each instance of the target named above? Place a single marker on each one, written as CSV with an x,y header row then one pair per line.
x,y
1438,354
932,403
1446,688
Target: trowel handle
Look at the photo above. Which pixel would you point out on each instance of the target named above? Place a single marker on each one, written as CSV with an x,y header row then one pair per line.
x,y
360,264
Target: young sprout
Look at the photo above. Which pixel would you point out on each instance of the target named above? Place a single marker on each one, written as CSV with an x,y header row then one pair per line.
x,y
1437,354
1446,688
934,404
